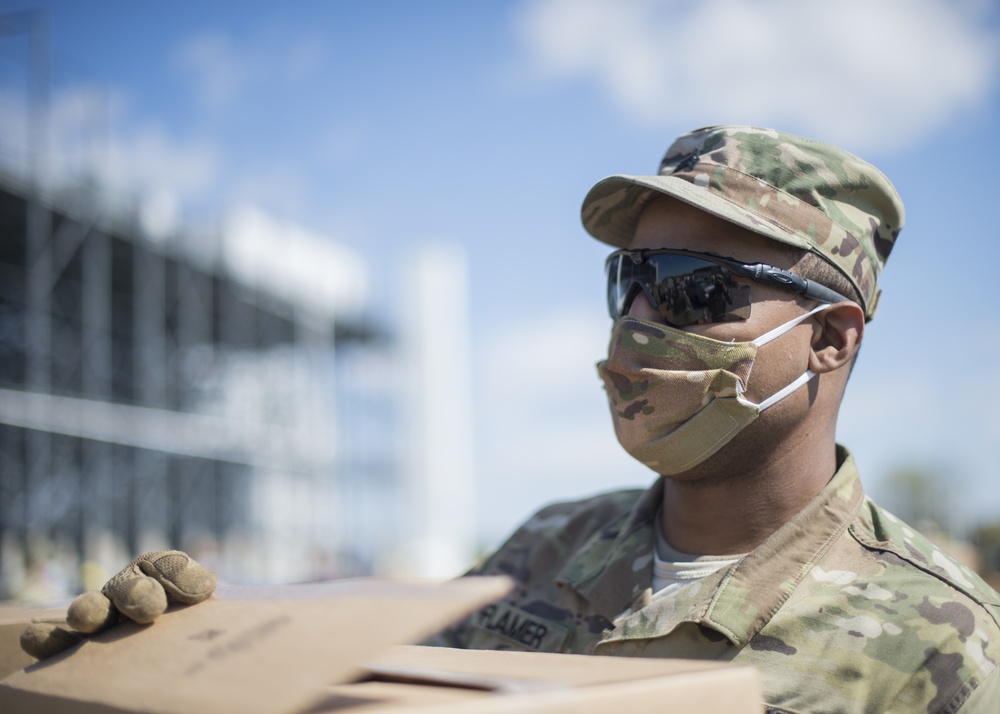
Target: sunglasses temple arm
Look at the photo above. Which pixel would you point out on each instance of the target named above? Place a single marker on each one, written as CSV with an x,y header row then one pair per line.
x,y
822,293
769,275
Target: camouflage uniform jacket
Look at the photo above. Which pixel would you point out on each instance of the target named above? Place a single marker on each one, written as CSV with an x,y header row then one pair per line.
x,y
843,609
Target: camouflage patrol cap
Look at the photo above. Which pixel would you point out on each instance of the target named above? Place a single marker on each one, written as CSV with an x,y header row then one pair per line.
x,y
794,190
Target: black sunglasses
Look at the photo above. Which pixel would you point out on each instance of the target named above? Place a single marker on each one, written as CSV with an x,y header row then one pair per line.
x,y
689,288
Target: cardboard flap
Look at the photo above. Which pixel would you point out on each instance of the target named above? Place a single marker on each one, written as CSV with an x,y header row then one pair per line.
x,y
524,671
211,657
436,680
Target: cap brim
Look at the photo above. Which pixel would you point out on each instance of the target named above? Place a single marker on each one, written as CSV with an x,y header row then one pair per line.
x,y
612,208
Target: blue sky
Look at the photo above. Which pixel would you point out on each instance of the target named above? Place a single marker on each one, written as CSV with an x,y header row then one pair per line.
x,y
386,124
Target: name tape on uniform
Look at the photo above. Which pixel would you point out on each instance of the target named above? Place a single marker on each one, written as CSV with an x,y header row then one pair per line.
x,y
521,627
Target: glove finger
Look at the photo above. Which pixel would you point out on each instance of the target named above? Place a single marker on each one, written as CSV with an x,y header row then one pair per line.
x,y
184,579
45,639
136,596
91,612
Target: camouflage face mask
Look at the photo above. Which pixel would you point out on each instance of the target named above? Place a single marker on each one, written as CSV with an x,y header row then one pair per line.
x,y
676,397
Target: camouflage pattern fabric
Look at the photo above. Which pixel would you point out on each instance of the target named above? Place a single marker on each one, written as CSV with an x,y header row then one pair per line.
x,y
843,609
651,406
795,190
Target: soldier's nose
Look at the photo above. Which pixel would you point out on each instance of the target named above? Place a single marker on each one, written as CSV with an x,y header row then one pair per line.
x,y
643,309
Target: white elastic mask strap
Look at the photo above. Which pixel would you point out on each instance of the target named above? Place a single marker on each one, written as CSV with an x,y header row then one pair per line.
x,y
782,393
782,329
776,333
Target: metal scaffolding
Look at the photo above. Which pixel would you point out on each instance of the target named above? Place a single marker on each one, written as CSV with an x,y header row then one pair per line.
x,y
223,392
159,391
152,399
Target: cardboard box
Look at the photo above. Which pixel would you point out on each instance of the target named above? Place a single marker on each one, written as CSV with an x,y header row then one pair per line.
x,y
414,679
330,648
242,654
13,620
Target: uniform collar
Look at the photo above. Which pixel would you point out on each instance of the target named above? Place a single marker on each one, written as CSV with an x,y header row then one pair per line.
x,y
614,569
616,564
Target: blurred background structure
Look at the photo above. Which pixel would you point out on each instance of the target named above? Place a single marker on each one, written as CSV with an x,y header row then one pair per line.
x,y
217,391
163,392
307,293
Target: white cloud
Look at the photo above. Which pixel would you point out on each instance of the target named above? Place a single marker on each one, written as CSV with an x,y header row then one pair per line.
x,y
856,72
92,136
282,189
220,71
543,428
224,70
149,158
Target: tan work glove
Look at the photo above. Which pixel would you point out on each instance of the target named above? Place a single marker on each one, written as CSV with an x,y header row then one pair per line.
x,y
139,592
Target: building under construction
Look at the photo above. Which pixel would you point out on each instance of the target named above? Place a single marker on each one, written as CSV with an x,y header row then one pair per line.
x,y
224,391
155,393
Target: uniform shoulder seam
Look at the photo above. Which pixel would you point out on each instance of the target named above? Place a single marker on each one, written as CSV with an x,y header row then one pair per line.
x,y
975,589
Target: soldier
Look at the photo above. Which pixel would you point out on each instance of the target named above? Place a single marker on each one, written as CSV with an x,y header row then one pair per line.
x,y
756,544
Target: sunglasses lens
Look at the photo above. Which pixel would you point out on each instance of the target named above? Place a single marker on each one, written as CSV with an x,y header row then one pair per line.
x,y
625,281
614,304
685,289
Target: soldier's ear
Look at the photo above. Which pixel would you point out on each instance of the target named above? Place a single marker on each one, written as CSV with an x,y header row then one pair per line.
x,y
837,333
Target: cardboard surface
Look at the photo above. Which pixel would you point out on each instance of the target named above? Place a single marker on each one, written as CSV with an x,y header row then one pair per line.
x,y
413,679
330,648
243,655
